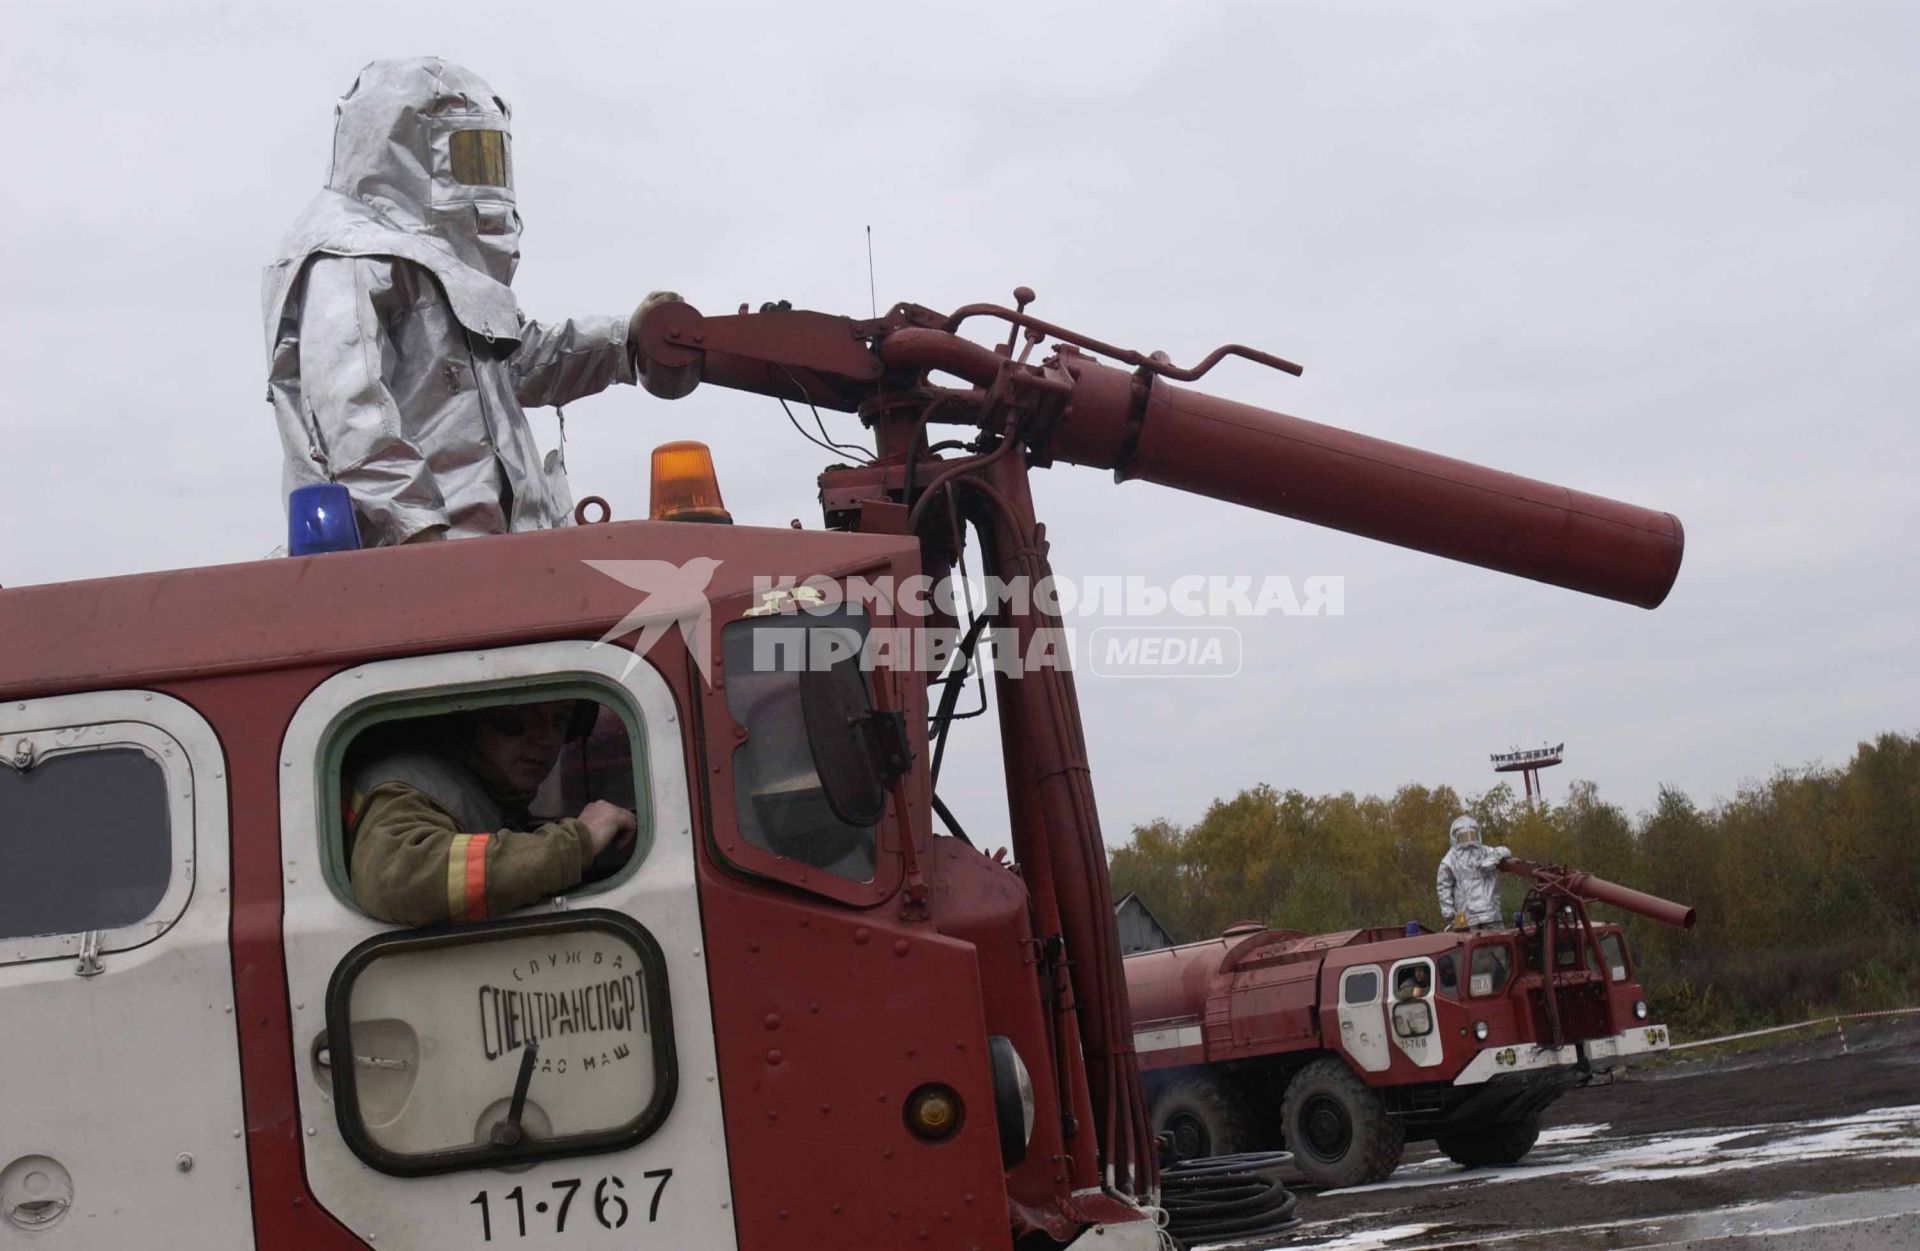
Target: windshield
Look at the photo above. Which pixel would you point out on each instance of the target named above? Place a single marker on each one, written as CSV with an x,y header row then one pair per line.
x,y
779,800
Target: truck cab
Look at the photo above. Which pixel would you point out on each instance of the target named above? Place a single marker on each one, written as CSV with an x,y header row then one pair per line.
x,y
763,1024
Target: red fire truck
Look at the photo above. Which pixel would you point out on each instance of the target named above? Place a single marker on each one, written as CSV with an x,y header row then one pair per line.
x,y
802,1010
1347,1046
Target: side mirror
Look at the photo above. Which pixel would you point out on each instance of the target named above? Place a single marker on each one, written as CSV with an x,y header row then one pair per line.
x,y
857,750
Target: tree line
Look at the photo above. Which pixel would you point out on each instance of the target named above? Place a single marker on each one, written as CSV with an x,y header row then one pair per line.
x,y
1807,884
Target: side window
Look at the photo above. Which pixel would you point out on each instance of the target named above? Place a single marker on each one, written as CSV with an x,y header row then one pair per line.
x,y
1412,992
460,806
1360,987
85,842
96,832
1413,979
1491,966
1616,954
779,802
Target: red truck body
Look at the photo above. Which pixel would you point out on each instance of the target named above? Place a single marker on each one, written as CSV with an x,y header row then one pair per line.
x,y
1449,1036
245,646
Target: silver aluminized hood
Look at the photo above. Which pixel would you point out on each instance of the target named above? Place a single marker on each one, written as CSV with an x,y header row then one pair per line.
x,y
402,146
392,191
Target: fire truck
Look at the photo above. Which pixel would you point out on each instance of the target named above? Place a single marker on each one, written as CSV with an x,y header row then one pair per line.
x,y
801,1010
1347,1046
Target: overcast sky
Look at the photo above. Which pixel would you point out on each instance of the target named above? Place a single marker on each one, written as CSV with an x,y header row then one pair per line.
x,y
1659,252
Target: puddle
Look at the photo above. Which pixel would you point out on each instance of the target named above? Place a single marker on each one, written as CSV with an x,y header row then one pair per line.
x,y
1892,1133
1863,1219
1570,1133
1367,1239
1885,1133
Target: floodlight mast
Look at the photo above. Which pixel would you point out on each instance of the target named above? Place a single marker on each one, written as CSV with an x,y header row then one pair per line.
x,y
1527,762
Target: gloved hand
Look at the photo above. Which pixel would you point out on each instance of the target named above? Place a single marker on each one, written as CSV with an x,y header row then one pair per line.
x,y
1459,921
668,384
653,298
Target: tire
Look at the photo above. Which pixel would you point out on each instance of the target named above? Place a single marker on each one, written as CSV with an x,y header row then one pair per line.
x,y
1204,1118
1504,1143
1337,1127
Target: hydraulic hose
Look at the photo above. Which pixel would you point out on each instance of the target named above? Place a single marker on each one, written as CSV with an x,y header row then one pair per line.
x,y
1226,1198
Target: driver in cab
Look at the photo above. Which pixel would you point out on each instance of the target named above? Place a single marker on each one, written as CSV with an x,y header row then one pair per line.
x,y
441,832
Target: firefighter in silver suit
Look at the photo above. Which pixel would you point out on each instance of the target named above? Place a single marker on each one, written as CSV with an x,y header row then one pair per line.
x,y
399,361
1468,882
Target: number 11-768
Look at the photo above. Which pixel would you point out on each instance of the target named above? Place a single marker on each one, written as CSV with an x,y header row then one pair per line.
x,y
609,1204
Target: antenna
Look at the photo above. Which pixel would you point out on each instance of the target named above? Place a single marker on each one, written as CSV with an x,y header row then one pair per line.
x,y
873,301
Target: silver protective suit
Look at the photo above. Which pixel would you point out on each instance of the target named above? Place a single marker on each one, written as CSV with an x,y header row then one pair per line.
x,y
1469,882
398,358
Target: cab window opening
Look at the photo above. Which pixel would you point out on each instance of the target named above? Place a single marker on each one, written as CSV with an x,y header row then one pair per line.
x,y
458,809
1413,981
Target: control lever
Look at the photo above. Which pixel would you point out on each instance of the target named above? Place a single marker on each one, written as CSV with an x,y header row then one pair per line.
x,y
506,1133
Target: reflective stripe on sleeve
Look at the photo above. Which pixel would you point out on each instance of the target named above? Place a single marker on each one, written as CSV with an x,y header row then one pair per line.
x,y
467,877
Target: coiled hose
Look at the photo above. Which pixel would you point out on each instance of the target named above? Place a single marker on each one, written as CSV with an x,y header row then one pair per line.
x,y
1226,1198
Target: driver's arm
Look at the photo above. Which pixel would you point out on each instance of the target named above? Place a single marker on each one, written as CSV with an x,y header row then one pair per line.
x,y
413,865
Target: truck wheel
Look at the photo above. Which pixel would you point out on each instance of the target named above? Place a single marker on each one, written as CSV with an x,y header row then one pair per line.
x,y
1337,1127
1505,1143
1204,1119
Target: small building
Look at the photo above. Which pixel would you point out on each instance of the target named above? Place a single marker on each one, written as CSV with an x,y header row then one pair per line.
x,y
1139,929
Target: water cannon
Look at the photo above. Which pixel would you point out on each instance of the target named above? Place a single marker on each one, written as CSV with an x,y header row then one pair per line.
x,y
1552,881
1087,402
1557,905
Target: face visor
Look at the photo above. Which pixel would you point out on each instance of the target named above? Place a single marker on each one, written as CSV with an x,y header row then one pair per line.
x,y
478,158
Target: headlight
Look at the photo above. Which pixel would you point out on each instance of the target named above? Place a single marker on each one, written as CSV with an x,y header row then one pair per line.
x,y
1480,1030
1640,1008
1412,1019
1012,1099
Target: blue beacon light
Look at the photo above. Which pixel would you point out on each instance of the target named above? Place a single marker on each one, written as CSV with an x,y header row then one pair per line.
x,y
320,519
